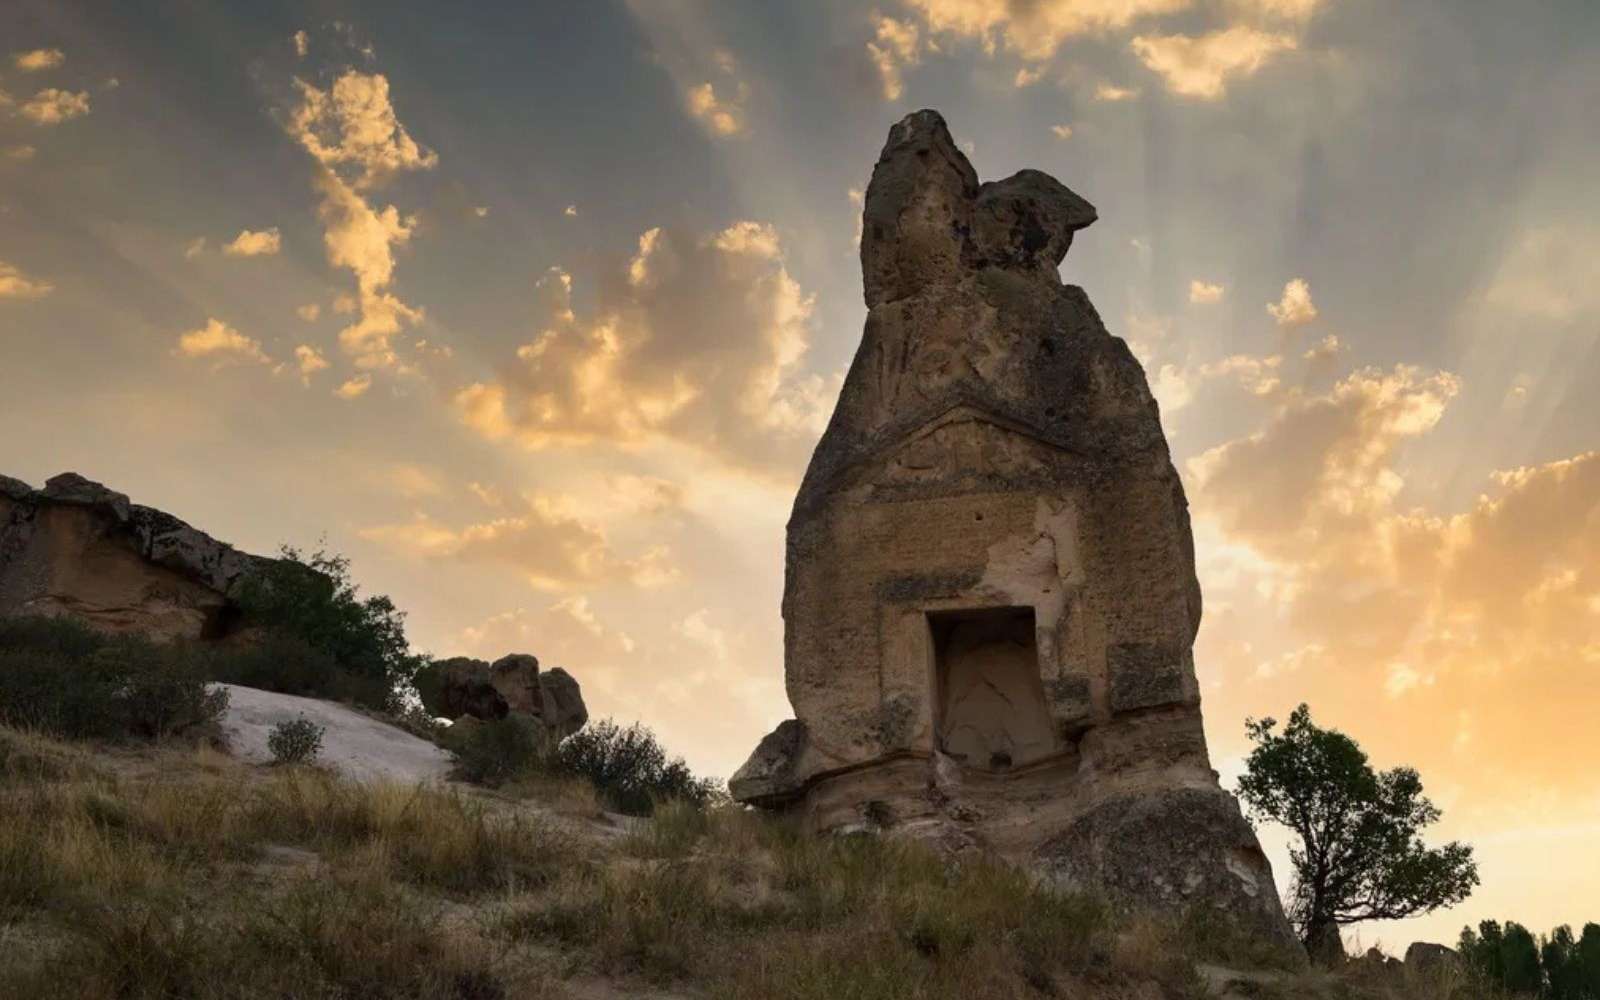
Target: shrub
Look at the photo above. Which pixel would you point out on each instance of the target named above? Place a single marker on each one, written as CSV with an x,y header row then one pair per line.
x,y
288,664
348,646
630,769
297,741
64,678
498,751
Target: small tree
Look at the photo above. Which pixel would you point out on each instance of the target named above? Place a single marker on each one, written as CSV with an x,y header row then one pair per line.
x,y
1588,959
1558,953
1360,856
298,741
312,600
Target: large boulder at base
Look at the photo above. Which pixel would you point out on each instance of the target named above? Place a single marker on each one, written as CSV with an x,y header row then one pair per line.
x,y
465,687
78,549
1425,956
990,598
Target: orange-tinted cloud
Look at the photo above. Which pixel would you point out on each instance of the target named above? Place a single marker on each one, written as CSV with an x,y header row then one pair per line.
x,y
1202,65
546,544
698,340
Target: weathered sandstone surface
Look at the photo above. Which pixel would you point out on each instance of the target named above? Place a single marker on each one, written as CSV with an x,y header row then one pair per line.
x,y
464,687
78,549
990,599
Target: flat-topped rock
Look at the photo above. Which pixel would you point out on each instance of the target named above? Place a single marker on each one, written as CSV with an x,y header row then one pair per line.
x,y
79,549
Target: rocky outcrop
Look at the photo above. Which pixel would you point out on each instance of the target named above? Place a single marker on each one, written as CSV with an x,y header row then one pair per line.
x,y
990,600
462,687
78,549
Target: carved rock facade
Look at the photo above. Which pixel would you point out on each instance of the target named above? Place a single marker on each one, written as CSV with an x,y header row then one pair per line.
x,y
990,598
78,549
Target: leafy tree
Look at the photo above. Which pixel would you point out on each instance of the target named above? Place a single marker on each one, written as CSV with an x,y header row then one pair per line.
x,y
1558,954
1588,960
1360,855
1482,950
1519,955
311,599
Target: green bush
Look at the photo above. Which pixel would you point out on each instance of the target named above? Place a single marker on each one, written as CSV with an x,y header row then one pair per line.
x,y
495,752
630,769
340,644
297,741
64,678
288,664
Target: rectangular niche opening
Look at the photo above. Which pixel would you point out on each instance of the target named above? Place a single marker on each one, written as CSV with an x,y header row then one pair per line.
x,y
988,689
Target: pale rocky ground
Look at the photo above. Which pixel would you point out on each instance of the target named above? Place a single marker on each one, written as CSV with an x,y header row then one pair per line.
x,y
357,746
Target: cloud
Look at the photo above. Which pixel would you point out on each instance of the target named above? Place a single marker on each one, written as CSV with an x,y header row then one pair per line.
x,y
19,153
52,107
1035,30
1061,131
697,628
38,59
1026,77
895,45
1201,66
195,248
301,42
221,342
1204,292
352,129
566,632
1326,348
1487,613
722,115
309,312
1111,93
16,285
571,211
309,361
1283,10
543,543
251,243
1544,274
353,133
354,388
1322,465
694,340
1295,307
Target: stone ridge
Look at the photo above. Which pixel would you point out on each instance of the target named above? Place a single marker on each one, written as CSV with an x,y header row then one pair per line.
x,y
79,548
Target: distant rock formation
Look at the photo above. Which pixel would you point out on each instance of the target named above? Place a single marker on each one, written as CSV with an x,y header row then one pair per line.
x,y
78,549
990,600
462,687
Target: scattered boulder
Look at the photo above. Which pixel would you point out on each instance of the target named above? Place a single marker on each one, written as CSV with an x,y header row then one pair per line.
x,y
79,549
1425,956
990,597
463,687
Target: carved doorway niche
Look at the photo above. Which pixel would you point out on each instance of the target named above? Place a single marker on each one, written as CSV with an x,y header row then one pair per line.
x,y
991,707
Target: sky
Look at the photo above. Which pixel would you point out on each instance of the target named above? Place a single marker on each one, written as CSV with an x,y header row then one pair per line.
x,y
536,312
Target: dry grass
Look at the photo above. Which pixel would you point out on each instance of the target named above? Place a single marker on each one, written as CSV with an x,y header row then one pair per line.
x,y
163,873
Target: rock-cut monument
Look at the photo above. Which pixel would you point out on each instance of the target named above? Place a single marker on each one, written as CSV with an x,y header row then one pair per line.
x,y
990,600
